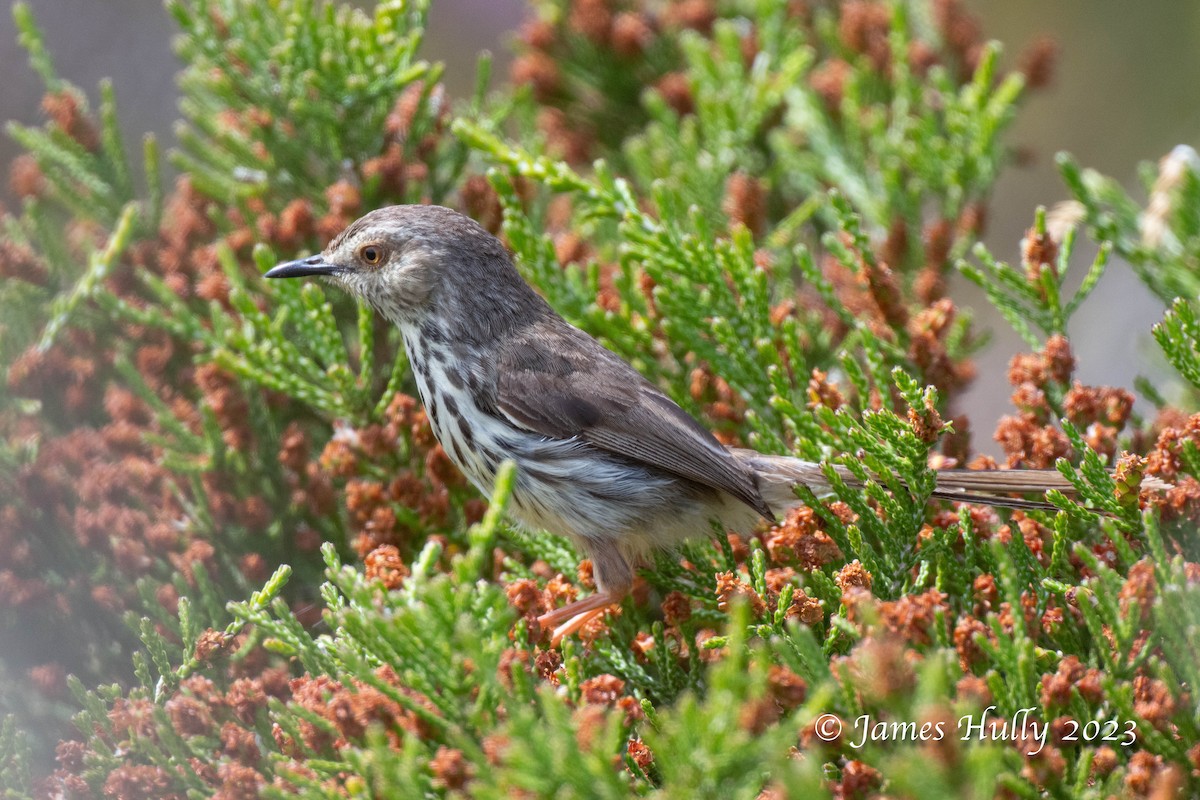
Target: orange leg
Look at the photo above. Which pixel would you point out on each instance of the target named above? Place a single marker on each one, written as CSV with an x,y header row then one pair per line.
x,y
573,616
574,624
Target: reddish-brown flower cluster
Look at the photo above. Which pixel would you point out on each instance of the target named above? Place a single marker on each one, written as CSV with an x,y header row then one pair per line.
x,y
1139,590
1039,251
66,110
1101,412
608,691
823,392
223,397
1149,776
879,666
968,631
640,754
636,40
913,617
828,79
929,331
799,541
1181,503
1037,62
873,293
353,710
384,564
63,376
1072,676
450,768
105,489
865,28
731,588
532,601
136,780
868,291
859,781
200,712
785,691
629,35
1154,702
423,479
853,576
480,201
745,202
720,403
25,178
105,500
1029,439
962,34
96,474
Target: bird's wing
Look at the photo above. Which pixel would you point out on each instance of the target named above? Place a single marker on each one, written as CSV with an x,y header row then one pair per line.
x,y
557,381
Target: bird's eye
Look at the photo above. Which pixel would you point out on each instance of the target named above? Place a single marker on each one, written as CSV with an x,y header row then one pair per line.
x,y
372,254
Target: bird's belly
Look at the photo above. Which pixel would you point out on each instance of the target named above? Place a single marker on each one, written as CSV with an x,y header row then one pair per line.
x,y
565,486
473,440
571,488
568,486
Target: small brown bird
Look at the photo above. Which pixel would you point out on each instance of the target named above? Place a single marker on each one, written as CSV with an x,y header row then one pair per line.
x,y
603,456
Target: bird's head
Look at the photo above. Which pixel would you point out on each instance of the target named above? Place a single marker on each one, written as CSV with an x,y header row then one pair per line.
x,y
403,259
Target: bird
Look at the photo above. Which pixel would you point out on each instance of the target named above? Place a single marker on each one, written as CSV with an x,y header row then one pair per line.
x,y
603,456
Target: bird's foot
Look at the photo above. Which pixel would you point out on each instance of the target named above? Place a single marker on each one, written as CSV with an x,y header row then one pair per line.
x,y
573,616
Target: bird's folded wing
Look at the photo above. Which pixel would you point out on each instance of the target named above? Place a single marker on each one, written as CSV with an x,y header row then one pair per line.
x,y
562,386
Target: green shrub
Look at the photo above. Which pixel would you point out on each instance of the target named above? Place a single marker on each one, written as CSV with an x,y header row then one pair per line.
x,y
758,203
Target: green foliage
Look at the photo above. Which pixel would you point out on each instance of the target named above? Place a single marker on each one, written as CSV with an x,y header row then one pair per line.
x,y
14,762
1159,241
902,144
703,746
87,171
1034,297
896,142
735,103
337,73
108,292
1179,337
438,634
759,210
86,178
89,283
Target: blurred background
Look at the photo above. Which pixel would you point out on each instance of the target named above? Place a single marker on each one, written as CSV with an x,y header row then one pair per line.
x,y
1124,93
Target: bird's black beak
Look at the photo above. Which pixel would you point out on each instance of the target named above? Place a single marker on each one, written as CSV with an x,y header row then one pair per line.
x,y
303,268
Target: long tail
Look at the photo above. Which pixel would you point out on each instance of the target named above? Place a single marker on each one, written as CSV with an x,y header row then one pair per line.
x,y
778,474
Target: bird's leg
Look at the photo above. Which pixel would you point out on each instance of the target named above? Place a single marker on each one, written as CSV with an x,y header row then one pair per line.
x,y
590,603
613,576
573,616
